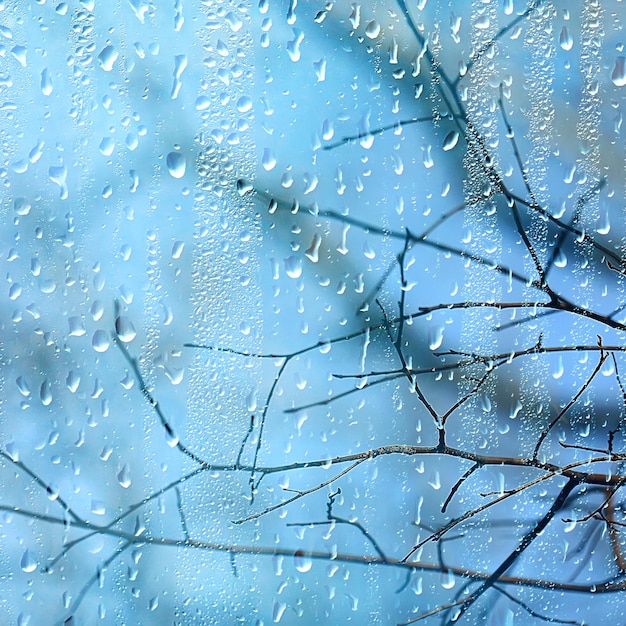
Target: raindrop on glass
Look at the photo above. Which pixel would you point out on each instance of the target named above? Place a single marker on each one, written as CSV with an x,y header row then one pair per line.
x,y
176,164
28,562
100,341
618,75
302,561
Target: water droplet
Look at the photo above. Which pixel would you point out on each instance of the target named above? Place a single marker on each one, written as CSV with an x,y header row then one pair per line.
x,y
435,337
618,75
15,291
312,252
45,393
565,39
427,157
106,147
98,507
177,249
244,104
279,610
28,562
447,579
46,82
171,437
21,206
125,329
176,164
58,175
202,103
515,409
560,260
77,329
107,58
302,561
269,160
293,46
22,386
19,52
293,266
451,139
180,64
123,477
72,381
372,29
100,341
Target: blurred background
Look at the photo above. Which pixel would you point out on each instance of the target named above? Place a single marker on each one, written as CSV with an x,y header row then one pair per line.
x,y
187,164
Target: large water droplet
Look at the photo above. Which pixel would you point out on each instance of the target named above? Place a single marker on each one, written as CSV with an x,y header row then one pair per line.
x,y
106,147
451,139
123,477
176,164
98,507
618,75
435,337
244,104
202,103
100,341
565,39
45,393
293,46
293,266
28,562
302,561
125,329
269,160
279,611
372,29
107,58
58,175
46,82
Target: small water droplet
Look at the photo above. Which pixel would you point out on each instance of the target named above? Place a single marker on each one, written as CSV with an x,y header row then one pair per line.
x,y
176,164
